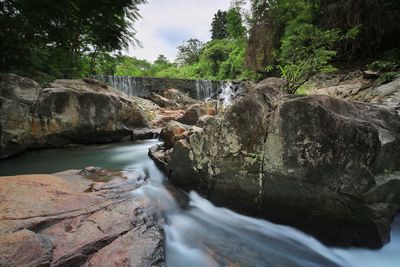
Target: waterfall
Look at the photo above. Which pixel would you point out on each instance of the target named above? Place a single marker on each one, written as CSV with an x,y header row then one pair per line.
x,y
145,86
204,89
228,93
125,84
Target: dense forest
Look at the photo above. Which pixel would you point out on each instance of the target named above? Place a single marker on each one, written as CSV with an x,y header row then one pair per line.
x,y
294,39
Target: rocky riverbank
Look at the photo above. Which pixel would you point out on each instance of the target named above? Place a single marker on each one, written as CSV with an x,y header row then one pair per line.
x,y
73,219
79,112
312,162
68,111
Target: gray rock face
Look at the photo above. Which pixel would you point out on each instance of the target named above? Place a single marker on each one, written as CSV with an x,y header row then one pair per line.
x,y
364,90
275,83
17,97
18,88
303,161
70,111
75,111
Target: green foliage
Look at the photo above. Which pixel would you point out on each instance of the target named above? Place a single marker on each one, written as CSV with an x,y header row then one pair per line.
x,y
388,76
219,25
305,51
389,62
307,36
55,37
218,59
387,65
305,48
131,66
235,26
189,52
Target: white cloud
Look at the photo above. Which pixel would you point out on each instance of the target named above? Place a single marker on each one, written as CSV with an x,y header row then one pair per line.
x,y
165,24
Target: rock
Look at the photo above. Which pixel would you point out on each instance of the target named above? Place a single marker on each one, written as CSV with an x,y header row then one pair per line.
x,y
148,108
307,161
387,95
193,113
162,101
370,74
161,156
21,89
138,247
278,84
387,189
17,95
70,111
174,131
145,133
67,220
166,115
202,121
74,111
178,97
25,248
361,89
15,127
173,99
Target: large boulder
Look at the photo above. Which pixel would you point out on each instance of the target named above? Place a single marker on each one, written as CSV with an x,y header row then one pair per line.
x,y
83,111
278,84
69,111
193,114
180,98
302,161
19,88
17,96
67,220
174,131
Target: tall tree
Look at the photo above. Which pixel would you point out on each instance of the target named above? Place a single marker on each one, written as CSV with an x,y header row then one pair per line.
x,y
189,52
47,31
235,26
219,26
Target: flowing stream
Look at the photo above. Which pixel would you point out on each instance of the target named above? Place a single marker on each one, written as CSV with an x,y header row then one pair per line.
x,y
198,233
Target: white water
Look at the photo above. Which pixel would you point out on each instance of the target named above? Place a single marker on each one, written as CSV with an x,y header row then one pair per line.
x,y
202,234
227,94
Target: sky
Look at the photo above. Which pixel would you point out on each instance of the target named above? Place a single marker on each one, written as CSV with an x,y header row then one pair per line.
x,y
166,24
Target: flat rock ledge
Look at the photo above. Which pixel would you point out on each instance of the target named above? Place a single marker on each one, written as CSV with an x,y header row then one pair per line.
x,y
69,219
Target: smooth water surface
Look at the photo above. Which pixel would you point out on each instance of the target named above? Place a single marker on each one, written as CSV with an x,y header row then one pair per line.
x,y
202,234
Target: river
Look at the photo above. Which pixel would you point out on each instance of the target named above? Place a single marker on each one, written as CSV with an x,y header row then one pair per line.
x,y
200,234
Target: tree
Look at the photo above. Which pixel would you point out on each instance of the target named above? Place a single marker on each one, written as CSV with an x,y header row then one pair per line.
x,y
162,60
40,33
131,66
189,52
235,26
219,26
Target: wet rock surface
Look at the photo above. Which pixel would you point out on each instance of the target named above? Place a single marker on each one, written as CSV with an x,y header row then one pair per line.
x,y
68,220
310,162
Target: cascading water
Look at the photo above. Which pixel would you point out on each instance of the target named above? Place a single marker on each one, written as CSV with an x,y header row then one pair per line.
x,y
144,86
200,234
227,94
124,84
204,89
